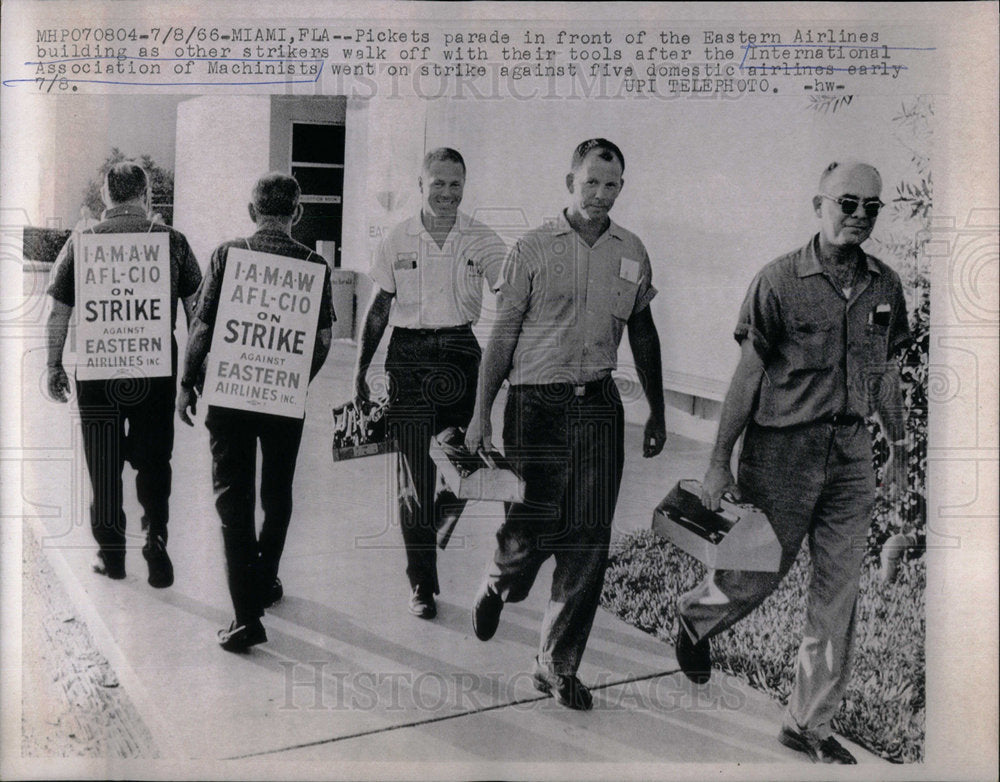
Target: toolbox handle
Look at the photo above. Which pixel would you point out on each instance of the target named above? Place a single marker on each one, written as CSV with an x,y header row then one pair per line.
x,y
487,458
732,517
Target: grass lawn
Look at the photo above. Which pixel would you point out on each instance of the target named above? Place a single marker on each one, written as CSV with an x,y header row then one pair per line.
x,y
884,708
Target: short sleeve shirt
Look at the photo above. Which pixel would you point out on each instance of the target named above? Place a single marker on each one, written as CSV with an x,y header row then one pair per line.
x,y
265,241
824,353
575,299
185,274
436,287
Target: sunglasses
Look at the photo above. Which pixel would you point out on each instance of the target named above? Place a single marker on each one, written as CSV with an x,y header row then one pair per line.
x,y
849,205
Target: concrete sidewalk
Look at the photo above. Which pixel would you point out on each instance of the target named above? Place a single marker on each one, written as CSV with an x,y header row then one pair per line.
x,y
348,676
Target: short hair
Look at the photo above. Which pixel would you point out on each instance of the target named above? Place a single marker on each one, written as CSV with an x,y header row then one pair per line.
x,y
606,150
443,155
276,195
126,181
828,171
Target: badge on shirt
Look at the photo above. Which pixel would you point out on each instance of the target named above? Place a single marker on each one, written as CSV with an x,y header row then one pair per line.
x,y
629,270
405,261
880,316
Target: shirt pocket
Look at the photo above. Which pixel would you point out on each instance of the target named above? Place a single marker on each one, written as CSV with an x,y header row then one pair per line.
x,y
623,295
813,344
407,285
876,343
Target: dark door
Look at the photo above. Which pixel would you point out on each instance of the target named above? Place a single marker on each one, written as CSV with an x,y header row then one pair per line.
x,y
317,163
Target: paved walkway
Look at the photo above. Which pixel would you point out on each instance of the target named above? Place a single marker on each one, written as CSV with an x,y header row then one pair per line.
x,y
348,675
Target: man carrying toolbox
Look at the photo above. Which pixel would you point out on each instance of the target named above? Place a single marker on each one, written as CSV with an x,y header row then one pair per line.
x,y
819,330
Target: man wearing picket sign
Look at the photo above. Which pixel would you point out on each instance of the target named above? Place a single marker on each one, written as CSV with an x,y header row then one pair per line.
x,y
271,299
123,278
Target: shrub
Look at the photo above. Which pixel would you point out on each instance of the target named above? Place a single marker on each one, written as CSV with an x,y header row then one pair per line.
x,y
907,511
42,244
883,709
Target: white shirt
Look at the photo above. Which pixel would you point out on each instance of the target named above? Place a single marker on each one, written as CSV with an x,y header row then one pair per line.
x,y
437,287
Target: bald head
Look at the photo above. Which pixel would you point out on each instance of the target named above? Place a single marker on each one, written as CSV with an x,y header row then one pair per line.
x,y
848,169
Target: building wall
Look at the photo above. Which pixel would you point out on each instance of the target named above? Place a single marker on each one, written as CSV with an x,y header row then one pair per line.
x,y
223,146
357,205
709,215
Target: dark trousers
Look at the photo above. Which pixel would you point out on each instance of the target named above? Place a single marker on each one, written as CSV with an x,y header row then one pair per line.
x,y
252,562
127,420
570,451
432,385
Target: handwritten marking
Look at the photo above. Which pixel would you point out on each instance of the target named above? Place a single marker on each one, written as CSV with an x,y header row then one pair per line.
x,y
319,73
749,46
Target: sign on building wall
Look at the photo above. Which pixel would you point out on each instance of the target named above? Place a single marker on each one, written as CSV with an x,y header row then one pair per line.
x,y
123,304
265,330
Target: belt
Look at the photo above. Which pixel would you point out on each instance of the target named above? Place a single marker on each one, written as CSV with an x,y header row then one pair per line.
x,y
568,389
843,419
465,327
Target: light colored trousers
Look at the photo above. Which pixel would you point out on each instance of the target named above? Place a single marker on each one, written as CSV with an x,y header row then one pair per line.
x,y
814,480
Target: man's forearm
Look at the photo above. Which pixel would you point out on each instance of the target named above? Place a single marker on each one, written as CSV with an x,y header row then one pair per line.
x,y
645,344
739,403
376,322
198,344
496,365
890,405
497,358
189,304
56,329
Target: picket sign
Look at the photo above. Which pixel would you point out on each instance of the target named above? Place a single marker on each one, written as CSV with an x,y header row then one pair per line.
x,y
265,330
123,323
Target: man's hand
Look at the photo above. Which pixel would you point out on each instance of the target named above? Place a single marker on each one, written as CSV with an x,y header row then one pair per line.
x,y
717,481
654,436
479,435
187,398
58,383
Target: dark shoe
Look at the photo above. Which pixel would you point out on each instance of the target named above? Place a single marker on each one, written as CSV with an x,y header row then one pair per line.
x,y
239,638
566,689
695,659
272,594
486,613
827,750
161,570
422,602
110,565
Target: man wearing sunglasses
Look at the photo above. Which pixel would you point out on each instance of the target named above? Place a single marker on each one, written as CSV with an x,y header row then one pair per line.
x,y
819,329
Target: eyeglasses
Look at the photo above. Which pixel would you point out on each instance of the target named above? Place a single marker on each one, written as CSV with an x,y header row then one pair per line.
x,y
849,205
